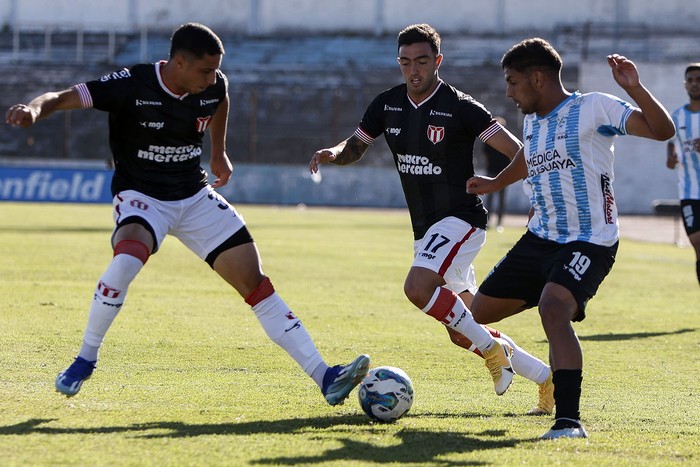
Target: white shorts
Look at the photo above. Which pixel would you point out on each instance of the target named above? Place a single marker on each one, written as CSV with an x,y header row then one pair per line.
x,y
201,222
449,248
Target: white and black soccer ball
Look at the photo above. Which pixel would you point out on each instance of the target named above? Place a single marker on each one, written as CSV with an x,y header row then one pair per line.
x,y
386,393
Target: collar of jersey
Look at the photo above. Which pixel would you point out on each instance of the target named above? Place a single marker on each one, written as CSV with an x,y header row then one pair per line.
x,y
573,96
162,83
427,98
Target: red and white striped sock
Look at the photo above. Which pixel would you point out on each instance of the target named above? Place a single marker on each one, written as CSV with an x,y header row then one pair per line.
x,y
446,307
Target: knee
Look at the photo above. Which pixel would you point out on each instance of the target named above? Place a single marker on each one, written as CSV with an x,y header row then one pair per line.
x,y
417,294
483,310
477,310
260,292
556,313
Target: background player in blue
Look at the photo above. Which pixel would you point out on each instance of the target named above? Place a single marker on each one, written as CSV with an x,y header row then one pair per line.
x,y
572,238
687,121
158,114
431,128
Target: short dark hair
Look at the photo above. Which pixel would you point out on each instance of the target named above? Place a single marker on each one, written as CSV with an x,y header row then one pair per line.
x,y
195,39
416,33
532,53
691,67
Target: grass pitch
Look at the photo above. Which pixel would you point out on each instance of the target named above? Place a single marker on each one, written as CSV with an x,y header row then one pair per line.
x,y
187,377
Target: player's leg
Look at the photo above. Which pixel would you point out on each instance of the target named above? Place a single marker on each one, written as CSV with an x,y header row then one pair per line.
x,y
133,241
445,241
557,308
695,242
690,209
576,271
240,267
236,259
524,364
509,289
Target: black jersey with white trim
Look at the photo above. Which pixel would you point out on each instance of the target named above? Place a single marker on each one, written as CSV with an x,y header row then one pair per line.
x,y
155,135
433,148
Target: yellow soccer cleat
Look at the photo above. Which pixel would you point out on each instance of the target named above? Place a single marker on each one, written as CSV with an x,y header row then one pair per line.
x,y
497,360
545,405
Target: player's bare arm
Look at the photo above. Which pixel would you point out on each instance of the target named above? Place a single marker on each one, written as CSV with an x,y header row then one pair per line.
x,y
346,152
25,115
220,163
515,171
671,156
505,142
652,120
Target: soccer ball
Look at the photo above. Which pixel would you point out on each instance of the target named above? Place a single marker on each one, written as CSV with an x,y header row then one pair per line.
x,y
386,393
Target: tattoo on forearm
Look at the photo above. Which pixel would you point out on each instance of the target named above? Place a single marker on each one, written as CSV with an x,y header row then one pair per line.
x,y
352,152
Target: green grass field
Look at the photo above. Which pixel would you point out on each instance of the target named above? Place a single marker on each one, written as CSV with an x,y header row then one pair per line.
x,y
187,376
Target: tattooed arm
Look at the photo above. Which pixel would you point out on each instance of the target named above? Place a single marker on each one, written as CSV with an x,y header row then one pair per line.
x,y
346,152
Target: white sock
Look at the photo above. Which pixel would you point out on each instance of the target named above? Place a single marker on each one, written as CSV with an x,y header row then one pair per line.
x,y
448,308
287,331
108,299
318,374
525,364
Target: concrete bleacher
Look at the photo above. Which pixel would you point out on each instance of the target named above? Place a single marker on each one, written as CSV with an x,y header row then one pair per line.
x,y
299,90
48,45
289,95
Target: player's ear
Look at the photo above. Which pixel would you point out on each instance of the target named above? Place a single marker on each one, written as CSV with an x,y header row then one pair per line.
x,y
438,61
179,59
537,78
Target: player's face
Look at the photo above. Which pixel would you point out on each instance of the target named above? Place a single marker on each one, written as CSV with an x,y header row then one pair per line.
x,y
519,88
692,84
419,67
197,74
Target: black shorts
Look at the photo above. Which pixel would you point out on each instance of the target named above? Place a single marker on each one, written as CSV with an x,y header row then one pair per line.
x,y
578,266
690,209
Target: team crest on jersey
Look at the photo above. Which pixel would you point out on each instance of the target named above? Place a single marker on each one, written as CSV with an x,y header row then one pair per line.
x,y
203,123
436,133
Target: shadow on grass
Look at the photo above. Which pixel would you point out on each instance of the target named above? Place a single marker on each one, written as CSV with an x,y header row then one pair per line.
x,y
633,335
414,446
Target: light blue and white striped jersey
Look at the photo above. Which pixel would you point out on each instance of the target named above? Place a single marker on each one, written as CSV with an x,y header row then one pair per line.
x,y
688,139
569,155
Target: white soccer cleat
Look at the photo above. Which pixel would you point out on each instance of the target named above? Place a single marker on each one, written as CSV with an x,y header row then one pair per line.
x,y
565,428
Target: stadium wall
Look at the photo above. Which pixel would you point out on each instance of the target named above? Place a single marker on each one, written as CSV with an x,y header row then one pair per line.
x,y
641,175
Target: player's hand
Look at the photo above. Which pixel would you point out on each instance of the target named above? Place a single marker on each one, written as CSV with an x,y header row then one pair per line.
x,y
624,71
222,169
696,145
21,115
481,185
672,160
321,157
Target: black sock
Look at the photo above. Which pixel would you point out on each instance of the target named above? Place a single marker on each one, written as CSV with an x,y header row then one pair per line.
x,y
567,393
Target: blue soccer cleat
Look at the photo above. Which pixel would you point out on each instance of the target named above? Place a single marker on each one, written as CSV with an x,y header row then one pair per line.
x,y
68,381
341,379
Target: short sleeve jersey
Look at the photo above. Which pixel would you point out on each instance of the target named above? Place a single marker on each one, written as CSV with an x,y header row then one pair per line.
x,y
688,139
155,135
569,155
433,146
